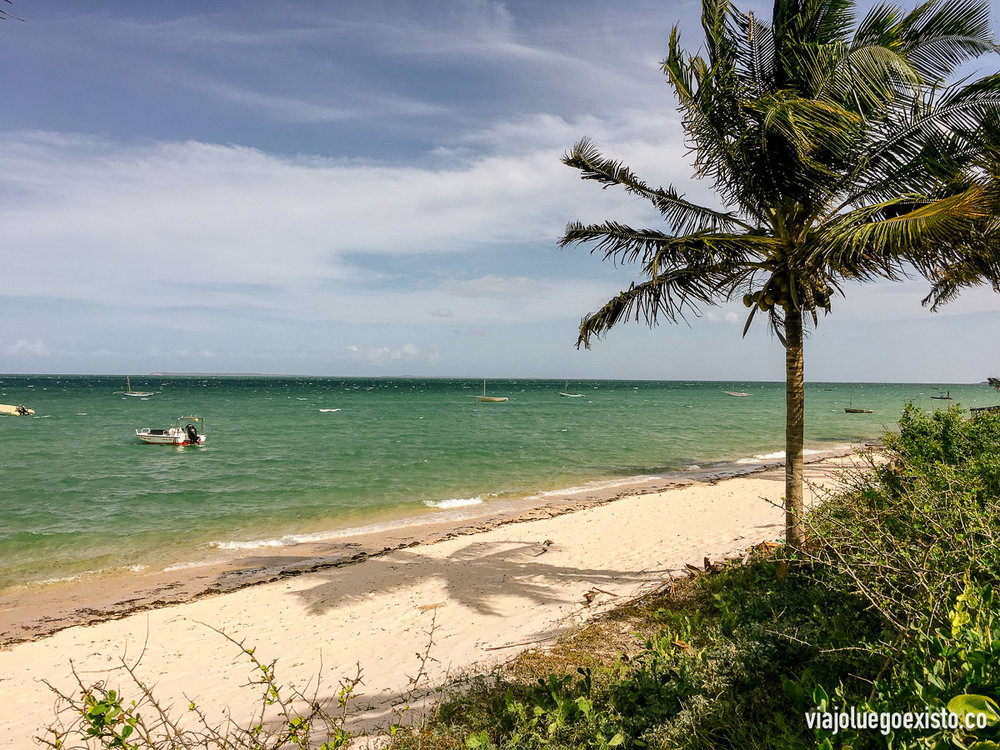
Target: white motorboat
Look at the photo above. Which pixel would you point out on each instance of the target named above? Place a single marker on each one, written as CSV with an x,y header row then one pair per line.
x,y
188,430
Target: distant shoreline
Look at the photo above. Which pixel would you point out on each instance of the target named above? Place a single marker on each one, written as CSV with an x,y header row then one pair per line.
x,y
479,378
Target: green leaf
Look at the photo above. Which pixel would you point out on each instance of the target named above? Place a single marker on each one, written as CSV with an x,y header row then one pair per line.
x,y
820,698
965,704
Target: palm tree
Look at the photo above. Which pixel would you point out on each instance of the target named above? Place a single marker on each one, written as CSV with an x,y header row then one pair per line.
x,y
839,153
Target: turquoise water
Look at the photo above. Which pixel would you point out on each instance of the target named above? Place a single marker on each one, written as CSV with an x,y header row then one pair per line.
x,y
80,493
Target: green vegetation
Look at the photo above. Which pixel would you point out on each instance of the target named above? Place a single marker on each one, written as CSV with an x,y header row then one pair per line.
x,y
890,607
98,716
838,151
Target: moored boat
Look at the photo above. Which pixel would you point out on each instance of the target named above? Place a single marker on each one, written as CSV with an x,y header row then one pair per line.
x,y
566,392
129,392
189,430
492,399
733,392
15,410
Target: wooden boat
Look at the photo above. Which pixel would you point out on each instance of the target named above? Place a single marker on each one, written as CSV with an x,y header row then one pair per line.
x,y
15,410
129,392
851,410
565,392
493,399
188,430
943,398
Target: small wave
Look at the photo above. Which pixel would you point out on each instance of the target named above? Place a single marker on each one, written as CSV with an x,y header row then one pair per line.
x,y
189,565
455,502
328,410
780,455
63,579
135,568
605,484
287,541
291,540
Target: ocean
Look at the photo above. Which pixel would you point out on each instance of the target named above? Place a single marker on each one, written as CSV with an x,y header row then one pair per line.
x,y
293,459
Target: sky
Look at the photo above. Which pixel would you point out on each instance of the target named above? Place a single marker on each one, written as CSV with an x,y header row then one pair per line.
x,y
373,188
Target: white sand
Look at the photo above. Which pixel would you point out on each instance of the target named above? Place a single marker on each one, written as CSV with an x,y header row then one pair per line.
x,y
496,588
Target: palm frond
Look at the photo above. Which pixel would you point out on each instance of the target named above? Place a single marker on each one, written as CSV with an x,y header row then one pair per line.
x,y
616,241
982,266
656,250
671,295
682,215
877,241
940,35
918,146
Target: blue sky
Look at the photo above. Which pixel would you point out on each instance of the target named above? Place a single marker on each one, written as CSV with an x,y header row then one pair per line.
x,y
371,188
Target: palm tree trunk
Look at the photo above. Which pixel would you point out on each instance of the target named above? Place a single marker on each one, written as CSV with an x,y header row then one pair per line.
x,y
794,421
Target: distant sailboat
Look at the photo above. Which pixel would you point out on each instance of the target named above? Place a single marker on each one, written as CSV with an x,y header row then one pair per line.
x,y
565,392
494,399
734,392
130,392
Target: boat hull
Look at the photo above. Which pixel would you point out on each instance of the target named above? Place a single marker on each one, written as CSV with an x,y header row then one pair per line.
x,y
492,399
167,437
14,410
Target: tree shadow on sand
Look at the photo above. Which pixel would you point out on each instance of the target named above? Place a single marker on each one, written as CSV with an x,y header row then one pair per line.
x,y
474,576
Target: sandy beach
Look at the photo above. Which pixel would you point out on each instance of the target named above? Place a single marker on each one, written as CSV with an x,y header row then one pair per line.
x,y
490,588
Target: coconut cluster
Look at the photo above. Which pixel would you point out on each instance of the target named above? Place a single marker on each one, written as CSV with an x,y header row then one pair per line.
x,y
811,294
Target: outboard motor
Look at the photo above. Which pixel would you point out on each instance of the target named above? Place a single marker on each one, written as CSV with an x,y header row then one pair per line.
x,y
22,410
192,433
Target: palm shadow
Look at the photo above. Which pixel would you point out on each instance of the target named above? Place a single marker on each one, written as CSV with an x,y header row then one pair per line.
x,y
475,575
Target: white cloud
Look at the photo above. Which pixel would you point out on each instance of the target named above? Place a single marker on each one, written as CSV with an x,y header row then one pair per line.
x,y
23,347
191,224
494,287
382,355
